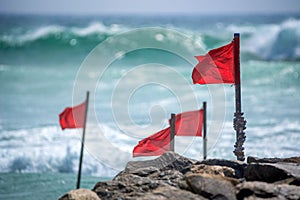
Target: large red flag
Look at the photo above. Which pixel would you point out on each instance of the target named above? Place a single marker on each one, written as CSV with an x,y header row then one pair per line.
x,y
189,123
154,145
73,117
215,67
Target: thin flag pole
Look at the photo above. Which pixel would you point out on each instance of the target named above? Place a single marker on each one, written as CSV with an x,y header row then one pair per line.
x,y
173,116
204,132
83,138
239,123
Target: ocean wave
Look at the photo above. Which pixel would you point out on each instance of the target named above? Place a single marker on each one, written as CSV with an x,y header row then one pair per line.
x,y
61,33
98,28
30,36
277,41
280,41
280,139
267,138
46,149
274,41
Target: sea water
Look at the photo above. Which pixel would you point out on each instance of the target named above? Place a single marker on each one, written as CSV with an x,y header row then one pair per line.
x,y
43,57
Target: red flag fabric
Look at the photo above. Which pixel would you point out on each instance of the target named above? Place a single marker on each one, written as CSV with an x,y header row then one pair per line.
x,y
154,145
189,123
72,117
217,66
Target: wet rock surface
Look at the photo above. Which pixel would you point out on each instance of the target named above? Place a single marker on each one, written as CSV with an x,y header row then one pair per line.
x,y
172,176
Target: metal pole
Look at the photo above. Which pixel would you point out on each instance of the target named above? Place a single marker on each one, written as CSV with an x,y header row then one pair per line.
x,y
82,140
239,123
173,118
204,132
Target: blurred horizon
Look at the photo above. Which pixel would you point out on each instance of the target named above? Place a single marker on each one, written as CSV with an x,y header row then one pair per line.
x,y
154,7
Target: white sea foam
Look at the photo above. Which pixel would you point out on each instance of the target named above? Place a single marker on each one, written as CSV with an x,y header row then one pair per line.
x,y
96,28
46,149
33,35
281,139
60,32
274,41
42,32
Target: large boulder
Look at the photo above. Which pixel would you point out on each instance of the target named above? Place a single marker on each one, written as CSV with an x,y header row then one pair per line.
x,y
168,168
169,160
273,172
127,185
169,193
255,190
211,186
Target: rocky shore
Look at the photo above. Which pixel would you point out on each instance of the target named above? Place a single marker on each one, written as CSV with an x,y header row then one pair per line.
x,y
172,176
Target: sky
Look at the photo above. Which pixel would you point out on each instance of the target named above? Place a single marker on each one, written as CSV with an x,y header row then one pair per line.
x,y
149,6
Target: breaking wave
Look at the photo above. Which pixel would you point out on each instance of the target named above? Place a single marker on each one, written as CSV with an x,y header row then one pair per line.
x,y
259,41
46,149
275,41
95,30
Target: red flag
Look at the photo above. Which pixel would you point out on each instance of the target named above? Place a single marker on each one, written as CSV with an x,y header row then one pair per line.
x,y
154,145
72,117
189,123
215,67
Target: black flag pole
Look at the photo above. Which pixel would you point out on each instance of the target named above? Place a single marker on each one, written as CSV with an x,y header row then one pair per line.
x,y
83,138
172,132
204,132
239,123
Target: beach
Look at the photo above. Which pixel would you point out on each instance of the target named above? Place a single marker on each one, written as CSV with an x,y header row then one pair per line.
x,y
41,60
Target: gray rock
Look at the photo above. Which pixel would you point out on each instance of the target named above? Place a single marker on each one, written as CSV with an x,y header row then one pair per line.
x,y
254,190
140,177
251,159
125,187
211,186
170,193
273,172
143,172
172,176
168,160
80,194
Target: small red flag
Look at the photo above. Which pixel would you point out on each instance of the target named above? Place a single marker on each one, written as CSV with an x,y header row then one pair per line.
x,y
215,67
72,117
189,123
154,145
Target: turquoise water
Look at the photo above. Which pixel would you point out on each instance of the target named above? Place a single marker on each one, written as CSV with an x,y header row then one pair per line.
x,y
41,58
41,186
